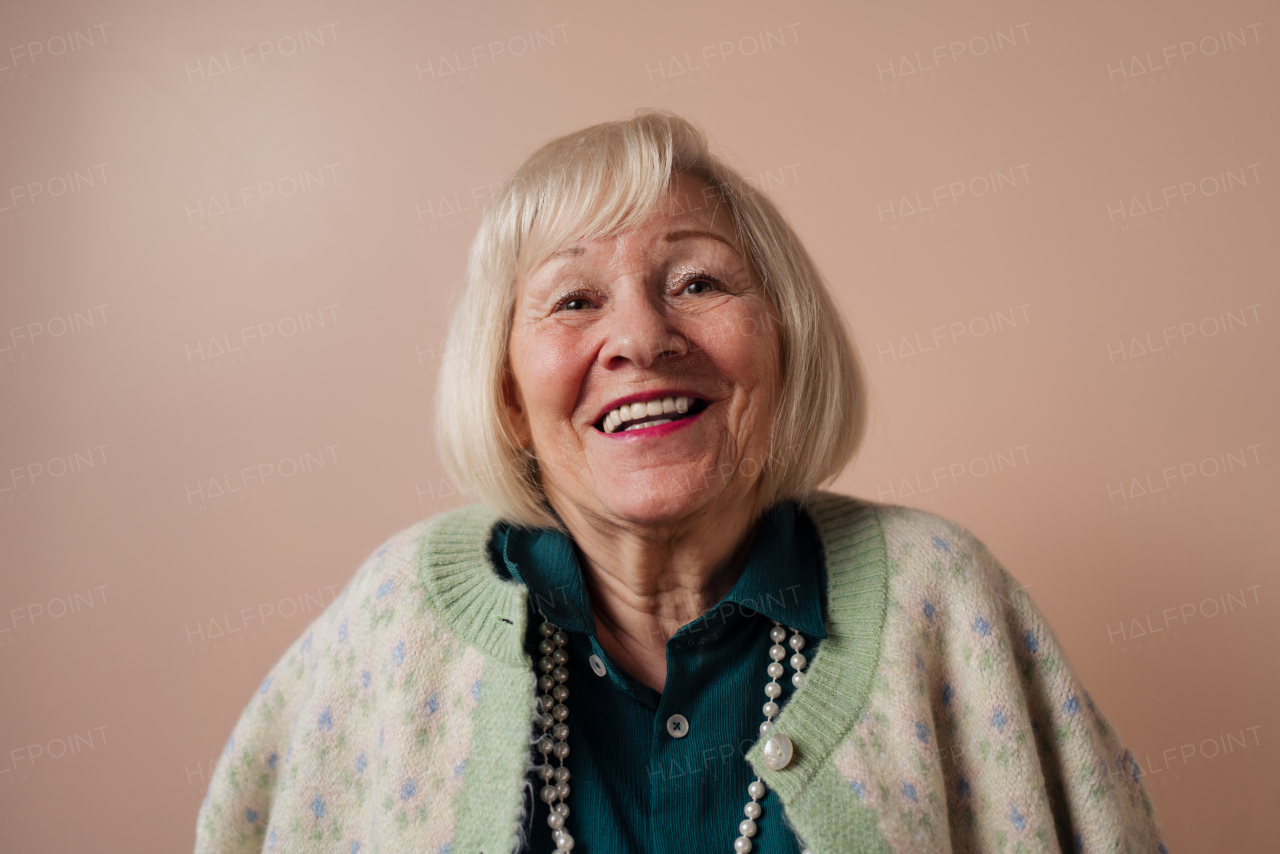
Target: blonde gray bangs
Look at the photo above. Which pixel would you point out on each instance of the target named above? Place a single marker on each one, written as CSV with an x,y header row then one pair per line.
x,y
603,181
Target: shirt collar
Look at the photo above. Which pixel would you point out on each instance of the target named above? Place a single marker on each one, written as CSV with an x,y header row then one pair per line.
x,y
782,578
545,561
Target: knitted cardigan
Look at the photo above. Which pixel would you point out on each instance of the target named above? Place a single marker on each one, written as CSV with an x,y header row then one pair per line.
x,y
939,714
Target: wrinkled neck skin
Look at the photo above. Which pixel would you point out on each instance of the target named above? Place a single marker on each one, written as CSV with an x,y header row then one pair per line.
x,y
646,581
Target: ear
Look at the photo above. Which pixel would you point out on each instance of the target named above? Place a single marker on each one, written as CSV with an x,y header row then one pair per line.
x,y
517,418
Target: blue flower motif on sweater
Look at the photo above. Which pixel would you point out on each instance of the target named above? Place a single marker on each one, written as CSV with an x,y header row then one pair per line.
x,y
250,815
365,676
385,588
1072,705
408,790
317,807
433,704
266,683
947,693
272,760
859,788
325,721
362,762
981,626
998,720
922,732
929,610
1016,818
909,791
941,544
1029,639
397,654
342,631
355,848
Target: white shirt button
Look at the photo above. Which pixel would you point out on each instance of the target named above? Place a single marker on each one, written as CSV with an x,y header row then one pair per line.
x,y
597,665
677,726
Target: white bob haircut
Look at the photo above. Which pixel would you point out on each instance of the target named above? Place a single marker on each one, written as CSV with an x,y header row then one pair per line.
x,y
599,182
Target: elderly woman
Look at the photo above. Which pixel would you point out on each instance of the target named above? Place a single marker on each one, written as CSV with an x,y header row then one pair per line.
x,y
655,633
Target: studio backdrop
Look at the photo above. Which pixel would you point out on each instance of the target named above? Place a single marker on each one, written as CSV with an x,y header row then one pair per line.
x,y
232,234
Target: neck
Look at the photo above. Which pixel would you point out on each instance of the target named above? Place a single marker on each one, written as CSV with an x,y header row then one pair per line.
x,y
645,582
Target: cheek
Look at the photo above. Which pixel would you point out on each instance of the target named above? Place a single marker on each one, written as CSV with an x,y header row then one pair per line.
x,y
549,369
744,348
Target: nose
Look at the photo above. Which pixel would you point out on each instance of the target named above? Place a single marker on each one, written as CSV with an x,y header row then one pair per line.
x,y
639,331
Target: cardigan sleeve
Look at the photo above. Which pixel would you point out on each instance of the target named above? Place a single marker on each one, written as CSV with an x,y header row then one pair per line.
x,y
366,733
976,702
1092,780
248,776
255,771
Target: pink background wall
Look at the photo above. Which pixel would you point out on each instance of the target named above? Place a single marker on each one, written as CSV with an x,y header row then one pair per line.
x,y
231,234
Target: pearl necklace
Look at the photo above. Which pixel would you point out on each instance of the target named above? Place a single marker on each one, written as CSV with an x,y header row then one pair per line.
x,y
554,741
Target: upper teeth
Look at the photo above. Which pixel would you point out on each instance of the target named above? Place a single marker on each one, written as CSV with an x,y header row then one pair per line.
x,y
632,411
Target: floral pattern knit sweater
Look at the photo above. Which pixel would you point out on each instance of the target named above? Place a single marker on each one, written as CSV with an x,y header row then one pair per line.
x,y
939,714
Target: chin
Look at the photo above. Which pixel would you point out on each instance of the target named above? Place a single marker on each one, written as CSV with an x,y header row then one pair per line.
x,y
661,500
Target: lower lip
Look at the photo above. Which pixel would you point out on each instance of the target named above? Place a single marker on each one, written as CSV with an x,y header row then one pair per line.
x,y
655,432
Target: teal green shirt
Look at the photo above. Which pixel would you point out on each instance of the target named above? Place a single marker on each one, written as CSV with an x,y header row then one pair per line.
x,y
633,786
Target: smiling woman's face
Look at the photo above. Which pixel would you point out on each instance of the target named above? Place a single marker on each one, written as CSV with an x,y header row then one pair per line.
x,y
646,368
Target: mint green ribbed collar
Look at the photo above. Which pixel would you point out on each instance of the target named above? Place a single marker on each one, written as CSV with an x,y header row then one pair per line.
x,y
837,684
489,612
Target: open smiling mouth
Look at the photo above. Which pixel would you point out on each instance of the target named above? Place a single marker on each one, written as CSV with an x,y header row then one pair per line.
x,y
649,413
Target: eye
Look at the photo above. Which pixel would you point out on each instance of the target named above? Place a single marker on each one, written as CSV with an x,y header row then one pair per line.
x,y
700,285
576,301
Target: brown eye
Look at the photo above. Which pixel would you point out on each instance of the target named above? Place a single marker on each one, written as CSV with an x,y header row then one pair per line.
x,y
699,286
575,301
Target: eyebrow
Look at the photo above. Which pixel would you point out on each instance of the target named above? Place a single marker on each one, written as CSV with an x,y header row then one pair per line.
x,y
671,237
684,234
568,250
